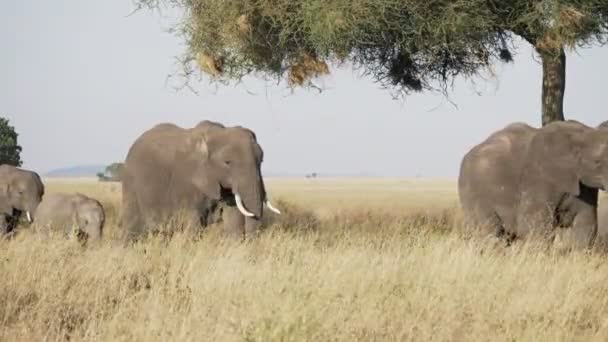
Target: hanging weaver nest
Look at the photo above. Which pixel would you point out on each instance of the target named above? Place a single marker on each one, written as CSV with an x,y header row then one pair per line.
x,y
209,64
569,16
306,68
561,34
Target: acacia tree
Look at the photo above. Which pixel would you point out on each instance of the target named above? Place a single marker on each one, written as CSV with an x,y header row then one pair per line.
x,y
406,45
10,151
112,173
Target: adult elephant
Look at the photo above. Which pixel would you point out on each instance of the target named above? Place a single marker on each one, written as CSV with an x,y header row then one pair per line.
x,y
21,191
171,170
602,218
602,232
556,177
488,178
71,212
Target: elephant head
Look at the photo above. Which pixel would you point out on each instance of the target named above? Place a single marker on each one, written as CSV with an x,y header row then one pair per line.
x,y
20,190
90,216
569,153
230,167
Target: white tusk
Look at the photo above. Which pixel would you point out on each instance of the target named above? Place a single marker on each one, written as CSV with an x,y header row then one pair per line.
x,y
269,205
239,204
29,217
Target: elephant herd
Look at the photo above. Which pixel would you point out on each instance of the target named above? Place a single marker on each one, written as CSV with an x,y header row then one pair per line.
x,y
205,174
519,180
22,192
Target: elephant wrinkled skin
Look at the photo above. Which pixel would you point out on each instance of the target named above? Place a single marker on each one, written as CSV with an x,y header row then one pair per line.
x,y
523,178
170,170
70,212
602,219
602,231
21,191
488,178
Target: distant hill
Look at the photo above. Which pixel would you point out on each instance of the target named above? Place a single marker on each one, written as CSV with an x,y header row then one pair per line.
x,y
76,171
93,169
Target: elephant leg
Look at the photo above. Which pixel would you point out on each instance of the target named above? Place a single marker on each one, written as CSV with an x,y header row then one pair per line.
x,y
4,224
535,216
93,232
194,221
131,218
214,214
585,227
44,230
234,222
483,218
493,222
252,226
585,223
580,214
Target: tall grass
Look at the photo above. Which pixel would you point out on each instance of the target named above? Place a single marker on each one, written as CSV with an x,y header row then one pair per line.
x,y
348,260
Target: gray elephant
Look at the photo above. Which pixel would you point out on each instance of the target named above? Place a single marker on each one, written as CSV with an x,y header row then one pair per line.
x,y
602,231
602,219
172,171
71,212
21,191
488,178
539,178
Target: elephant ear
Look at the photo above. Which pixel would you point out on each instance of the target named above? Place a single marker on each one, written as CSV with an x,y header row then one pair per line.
x,y
554,157
204,176
5,206
259,152
5,189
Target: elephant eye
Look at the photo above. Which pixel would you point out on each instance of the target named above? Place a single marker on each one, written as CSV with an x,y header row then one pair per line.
x,y
227,162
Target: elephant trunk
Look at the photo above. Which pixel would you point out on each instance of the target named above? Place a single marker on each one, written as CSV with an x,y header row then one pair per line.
x,y
265,199
30,210
94,231
249,195
92,221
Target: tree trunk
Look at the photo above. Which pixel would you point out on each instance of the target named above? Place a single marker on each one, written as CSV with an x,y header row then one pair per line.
x,y
554,83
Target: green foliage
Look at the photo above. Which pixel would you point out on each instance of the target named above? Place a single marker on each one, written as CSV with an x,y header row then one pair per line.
x,y
408,44
112,173
114,170
10,151
102,177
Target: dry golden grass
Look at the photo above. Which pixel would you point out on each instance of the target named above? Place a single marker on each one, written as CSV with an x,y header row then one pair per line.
x,y
355,259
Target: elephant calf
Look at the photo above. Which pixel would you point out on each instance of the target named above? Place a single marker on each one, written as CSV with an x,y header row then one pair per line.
x,y
68,212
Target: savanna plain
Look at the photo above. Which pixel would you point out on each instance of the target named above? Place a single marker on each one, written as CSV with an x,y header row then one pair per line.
x,y
349,259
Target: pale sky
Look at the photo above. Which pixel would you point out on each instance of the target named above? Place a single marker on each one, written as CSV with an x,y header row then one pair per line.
x,y
80,81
